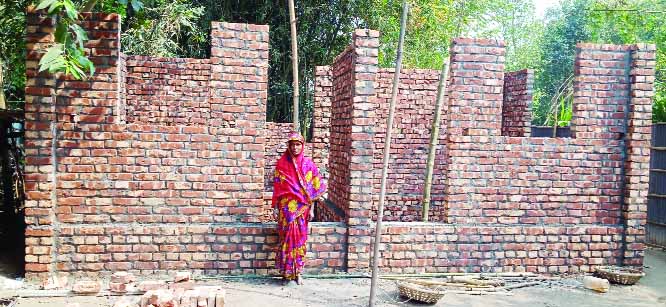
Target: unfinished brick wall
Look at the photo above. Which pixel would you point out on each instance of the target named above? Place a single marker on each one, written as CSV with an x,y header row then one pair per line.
x,y
158,193
516,106
105,192
540,204
409,148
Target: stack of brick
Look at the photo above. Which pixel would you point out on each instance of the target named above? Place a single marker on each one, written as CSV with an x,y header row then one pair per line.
x,y
205,296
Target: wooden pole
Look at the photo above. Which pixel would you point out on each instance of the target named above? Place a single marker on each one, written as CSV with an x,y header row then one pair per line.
x,y
294,63
434,138
387,151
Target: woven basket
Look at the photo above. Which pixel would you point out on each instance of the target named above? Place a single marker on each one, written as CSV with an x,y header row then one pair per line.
x,y
425,294
620,275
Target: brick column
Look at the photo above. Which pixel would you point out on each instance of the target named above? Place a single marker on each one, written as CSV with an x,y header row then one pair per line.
x,y
57,106
322,118
239,83
637,164
516,107
477,76
366,47
601,91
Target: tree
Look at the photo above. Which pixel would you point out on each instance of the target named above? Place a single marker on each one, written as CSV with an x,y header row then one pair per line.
x,y
12,51
565,26
640,21
165,28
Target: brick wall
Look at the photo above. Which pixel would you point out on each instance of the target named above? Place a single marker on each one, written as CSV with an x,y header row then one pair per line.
x,y
414,112
201,248
429,247
107,190
542,205
322,118
516,106
341,109
168,91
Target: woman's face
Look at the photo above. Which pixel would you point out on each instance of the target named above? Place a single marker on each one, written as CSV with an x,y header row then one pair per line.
x,y
295,147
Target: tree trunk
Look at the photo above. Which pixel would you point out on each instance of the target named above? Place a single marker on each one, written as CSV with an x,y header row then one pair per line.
x,y
434,138
387,151
294,63
3,105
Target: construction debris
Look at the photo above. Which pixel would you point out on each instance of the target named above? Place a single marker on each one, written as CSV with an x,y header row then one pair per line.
x,y
87,287
122,282
182,276
148,285
198,297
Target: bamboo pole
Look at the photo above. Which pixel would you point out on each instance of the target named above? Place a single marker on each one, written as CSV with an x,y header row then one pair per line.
x,y
387,152
294,64
3,105
434,138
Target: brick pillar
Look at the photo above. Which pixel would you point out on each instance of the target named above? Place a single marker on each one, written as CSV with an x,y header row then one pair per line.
x,y
477,76
516,107
637,165
239,83
361,150
601,91
57,105
322,118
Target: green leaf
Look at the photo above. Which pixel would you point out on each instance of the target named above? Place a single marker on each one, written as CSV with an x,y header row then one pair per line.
x,y
86,64
137,5
77,72
61,32
54,6
81,35
70,9
57,64
45,3
51,54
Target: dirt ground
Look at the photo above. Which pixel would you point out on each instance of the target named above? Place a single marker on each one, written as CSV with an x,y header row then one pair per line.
x,y
650,291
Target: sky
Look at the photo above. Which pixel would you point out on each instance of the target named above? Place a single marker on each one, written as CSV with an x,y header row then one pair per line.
x,y
542,5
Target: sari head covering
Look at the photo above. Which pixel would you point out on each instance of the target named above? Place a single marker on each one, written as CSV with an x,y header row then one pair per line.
x,y
295,186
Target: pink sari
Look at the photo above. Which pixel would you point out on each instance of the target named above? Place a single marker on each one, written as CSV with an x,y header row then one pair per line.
x,y
296,184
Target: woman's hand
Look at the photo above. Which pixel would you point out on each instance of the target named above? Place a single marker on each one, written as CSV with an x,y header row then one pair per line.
x,y
275,214
312,214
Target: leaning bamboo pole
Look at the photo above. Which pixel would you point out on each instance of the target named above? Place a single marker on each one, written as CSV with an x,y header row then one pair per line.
x,y
294,64
434,138
387,151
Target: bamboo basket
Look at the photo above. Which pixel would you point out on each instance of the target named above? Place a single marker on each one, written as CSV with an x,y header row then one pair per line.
x,y
620,275
421,293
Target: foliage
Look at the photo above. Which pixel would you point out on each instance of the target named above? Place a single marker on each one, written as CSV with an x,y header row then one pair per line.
x,y
564,27
164,29
638,21
12,50
67,53
432,25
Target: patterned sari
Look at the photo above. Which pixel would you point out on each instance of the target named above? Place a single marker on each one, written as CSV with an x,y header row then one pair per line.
x,y
296,184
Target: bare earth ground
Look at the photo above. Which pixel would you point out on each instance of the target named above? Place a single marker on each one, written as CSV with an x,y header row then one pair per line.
x,y
650,291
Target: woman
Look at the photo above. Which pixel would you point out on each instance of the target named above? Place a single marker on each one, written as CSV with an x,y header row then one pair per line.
x,y
296,187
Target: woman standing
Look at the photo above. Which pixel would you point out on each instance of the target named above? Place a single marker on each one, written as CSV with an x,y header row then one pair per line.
x,y
296,187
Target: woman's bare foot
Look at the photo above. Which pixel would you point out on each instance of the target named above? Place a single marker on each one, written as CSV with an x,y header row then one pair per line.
x,y
299,280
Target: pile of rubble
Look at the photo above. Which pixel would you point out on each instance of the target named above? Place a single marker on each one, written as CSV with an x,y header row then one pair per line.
x,y
180,291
